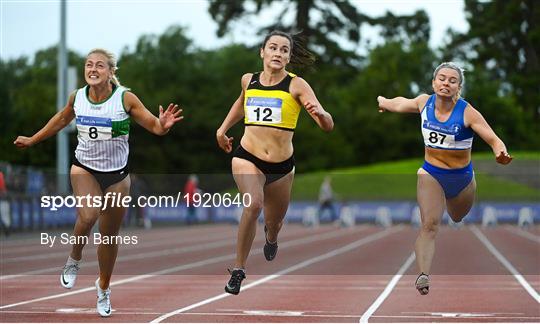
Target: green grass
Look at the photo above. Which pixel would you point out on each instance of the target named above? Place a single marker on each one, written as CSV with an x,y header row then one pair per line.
x,y
397,181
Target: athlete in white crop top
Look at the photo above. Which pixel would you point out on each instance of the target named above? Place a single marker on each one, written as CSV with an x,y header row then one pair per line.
x,y
447,177
102,110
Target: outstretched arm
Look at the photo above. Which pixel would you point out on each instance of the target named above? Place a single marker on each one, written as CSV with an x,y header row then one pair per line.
x,y
60,120
303,92
479,125
401,104
156,125
236,113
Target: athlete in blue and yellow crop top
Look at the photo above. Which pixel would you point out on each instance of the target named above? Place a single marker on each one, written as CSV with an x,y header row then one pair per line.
x,y
446,179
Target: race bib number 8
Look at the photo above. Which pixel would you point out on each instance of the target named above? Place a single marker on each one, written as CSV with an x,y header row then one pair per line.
x,y
94,128
264,110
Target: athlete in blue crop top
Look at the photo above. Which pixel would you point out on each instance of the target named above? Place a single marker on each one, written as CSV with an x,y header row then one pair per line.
x,y
446,178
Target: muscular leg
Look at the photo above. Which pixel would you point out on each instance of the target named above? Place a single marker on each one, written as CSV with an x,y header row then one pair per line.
x,y
431,200
249,180
276,202
459,206
109,225
83,184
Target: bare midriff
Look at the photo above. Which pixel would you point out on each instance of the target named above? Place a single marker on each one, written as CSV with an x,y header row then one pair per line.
x,y
448,159
267,143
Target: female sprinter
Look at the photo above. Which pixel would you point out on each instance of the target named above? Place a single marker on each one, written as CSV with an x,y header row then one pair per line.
x,y
446,178
263,163
102,109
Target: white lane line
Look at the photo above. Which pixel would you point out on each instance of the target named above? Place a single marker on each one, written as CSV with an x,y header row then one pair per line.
x,y
145,240
50,255
333,253
386,292
313,238
506,263
533,319
138,256
523,233
93,311
291,314
168,232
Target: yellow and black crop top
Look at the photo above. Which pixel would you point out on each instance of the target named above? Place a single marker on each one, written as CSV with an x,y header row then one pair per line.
x,y
271,106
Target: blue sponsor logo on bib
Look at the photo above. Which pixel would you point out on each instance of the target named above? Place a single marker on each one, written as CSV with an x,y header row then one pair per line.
x,y
450,129
94,121
264,102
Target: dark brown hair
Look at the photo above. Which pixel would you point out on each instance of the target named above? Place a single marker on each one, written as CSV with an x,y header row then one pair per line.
x,y
300,56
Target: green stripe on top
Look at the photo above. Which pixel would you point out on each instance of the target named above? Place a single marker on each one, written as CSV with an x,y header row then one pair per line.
x,y
120,127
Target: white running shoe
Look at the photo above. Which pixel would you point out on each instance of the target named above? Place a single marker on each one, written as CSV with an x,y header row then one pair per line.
x,y
103,301
69,274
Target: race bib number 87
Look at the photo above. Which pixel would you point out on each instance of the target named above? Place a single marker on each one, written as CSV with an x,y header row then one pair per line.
x,y
264,110
94,128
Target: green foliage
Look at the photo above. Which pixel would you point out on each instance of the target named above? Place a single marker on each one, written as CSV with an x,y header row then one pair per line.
x,y
504,43
501,51
323,22
503,112
29,101
407,28
170,68
392,71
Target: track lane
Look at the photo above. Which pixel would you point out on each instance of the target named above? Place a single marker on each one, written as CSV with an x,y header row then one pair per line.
x,y
467,284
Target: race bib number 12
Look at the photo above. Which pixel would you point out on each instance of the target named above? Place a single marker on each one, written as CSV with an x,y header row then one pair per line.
x,y
264,110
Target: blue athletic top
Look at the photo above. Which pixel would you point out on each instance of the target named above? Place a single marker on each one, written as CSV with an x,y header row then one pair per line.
x,y
449,135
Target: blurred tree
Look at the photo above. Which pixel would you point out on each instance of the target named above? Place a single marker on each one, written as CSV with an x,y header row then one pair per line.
x,y
323,22
169,68
30,101
407,29
504,41
9,82
341,81
503,112
394,69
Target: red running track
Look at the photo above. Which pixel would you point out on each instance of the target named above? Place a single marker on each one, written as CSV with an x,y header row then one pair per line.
x,y
327,274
